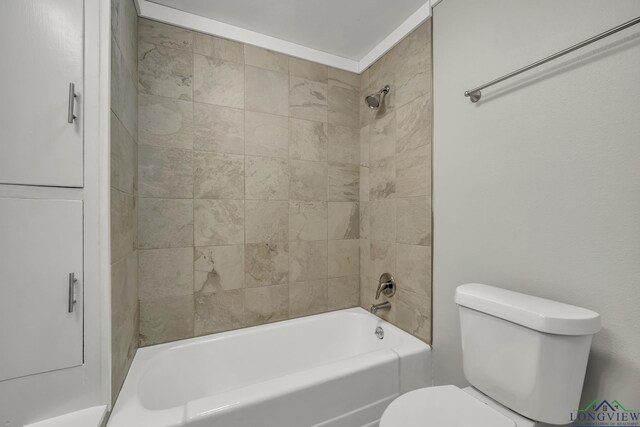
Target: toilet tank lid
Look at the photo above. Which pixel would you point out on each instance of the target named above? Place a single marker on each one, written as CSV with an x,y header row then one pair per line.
x,y
536,313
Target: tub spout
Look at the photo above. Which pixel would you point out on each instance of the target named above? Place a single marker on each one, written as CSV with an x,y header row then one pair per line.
x,y
382,306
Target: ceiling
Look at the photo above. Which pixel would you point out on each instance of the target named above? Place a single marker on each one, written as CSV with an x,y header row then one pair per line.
x,y
346,28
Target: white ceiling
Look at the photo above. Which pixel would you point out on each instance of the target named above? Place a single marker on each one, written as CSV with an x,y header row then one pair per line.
x,y
346,28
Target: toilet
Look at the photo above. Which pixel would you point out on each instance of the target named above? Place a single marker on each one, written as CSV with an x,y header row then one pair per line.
x,y
525,358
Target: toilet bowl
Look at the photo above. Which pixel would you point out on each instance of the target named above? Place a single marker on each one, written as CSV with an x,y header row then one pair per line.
x,y
525,358
450,406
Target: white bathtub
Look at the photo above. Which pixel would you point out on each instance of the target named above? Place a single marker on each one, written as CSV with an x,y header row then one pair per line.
x,y
326,370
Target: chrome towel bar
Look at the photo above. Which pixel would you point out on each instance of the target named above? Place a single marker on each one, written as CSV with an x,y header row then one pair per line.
x,y
475,94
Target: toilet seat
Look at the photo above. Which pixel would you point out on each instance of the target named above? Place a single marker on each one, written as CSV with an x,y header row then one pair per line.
x,y
442,406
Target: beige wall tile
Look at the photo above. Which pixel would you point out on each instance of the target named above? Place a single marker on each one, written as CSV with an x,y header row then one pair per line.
x,y
366,114
124,289
124,158
266,135
124,31
364,220
344,220
308,180
165,172
124,92
306,298
267,178
307,220
382,178
365,257
413,174
165,273
215,47
343,292
263,58
165,223
219,129
413,314
382,73
413,268
368,288
364,186
164,35
343,144
221,311
307,99
365,137
414,124
267,221
383,259
266,91
265,305
307,260
308,70
344,78
218,268
413,77
218,176
284,159
266,264
307,140
166,319
218,82
124,317
124,313
344,258
165,122
382,137
382,217
218,222
343,182
395,182
414,220
164,71
343,98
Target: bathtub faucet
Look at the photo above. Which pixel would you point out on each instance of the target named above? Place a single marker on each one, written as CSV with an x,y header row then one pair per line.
x,y
386,286
382,306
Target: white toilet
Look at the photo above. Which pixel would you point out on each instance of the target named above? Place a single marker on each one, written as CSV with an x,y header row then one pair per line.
x,y
525,358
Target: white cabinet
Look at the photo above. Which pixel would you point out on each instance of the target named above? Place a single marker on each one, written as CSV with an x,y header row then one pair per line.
x,y
41,44
41,245
41,144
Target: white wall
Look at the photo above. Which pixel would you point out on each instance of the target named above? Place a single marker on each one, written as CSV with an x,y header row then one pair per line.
x,y
537,187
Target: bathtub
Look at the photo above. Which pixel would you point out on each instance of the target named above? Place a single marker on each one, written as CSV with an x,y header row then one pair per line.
x,y
327,370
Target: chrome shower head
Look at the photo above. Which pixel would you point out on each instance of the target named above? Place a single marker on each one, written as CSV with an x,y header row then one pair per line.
x,y
375,100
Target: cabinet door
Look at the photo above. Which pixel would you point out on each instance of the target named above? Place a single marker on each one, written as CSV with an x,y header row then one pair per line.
x,y
40,245
41,54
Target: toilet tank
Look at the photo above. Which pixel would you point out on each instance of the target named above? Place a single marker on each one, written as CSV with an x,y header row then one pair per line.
x,y
528,353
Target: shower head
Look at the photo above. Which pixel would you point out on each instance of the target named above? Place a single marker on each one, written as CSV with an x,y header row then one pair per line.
x,y
375,100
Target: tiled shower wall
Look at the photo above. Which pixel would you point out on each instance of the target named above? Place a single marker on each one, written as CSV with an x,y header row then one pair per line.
x,y
248,185
395,183
124,165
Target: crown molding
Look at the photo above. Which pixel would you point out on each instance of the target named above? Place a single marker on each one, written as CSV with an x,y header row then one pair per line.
x,y
396,36
168,15
190,21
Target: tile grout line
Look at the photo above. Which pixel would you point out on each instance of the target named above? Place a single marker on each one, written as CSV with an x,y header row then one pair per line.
x,y
244,172
193,185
